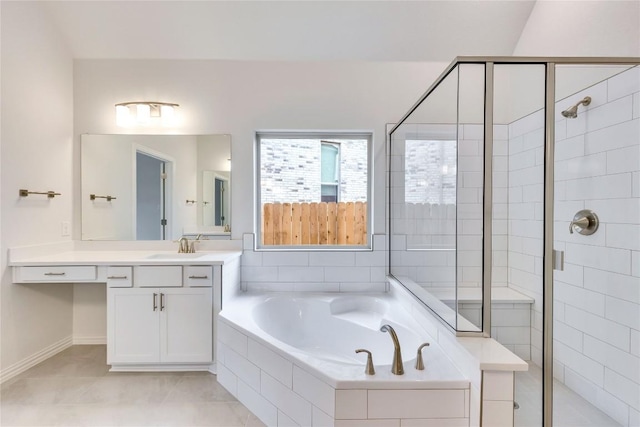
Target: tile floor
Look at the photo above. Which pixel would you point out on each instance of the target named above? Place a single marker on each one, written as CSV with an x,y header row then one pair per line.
x,y
74,388
570,410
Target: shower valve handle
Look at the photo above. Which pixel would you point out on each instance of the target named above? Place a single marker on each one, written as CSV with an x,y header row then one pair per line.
x,y
584,222
369,370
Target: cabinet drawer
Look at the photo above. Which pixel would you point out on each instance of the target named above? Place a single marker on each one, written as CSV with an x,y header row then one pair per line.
x,y
198,276
147,276
119,277
56,274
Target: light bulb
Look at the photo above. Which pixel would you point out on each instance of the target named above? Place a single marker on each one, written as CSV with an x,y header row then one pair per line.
x,y
123,117
143,113
167,114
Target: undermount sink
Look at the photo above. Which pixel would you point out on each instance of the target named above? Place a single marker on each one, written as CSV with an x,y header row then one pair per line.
x,y
175,255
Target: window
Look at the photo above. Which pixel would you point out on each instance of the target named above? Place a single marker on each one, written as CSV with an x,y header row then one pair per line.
x,y
313,189
330,171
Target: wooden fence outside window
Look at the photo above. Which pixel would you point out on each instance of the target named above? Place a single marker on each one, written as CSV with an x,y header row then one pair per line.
x,y
343,223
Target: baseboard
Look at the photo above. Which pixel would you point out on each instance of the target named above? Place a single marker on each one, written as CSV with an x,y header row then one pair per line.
x,y
89,340
161,367
34,359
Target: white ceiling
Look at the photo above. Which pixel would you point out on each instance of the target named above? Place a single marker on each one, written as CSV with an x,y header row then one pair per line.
x,y
391,30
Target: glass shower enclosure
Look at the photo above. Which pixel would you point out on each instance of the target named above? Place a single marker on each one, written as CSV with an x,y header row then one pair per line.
x,y
514,213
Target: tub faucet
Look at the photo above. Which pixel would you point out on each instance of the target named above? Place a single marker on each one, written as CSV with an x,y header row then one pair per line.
x,y
369,370
396,366
419,361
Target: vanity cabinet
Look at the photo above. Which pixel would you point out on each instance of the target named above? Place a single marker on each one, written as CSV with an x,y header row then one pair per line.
x,y
163,327
162,307
159,325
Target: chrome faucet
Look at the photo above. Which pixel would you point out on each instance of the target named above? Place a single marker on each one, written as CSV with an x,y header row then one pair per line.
x,y
183,245
396,366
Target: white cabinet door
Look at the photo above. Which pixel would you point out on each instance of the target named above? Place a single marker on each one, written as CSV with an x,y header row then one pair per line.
x,y
186,325
133,325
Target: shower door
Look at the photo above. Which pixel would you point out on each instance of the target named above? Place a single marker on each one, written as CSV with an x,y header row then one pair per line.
x,y
596,236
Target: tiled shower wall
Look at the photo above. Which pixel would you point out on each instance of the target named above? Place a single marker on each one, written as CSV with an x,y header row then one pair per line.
x,y
597,313
597,296
419,223
525,212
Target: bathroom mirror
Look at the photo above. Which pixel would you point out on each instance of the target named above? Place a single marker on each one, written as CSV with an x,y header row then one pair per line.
x,y
155,187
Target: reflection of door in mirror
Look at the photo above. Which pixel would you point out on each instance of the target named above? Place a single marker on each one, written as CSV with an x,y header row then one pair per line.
x,y
216,195
218,201
151,188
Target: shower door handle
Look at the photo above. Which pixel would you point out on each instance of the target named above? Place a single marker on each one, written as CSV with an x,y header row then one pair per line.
x,y
558,260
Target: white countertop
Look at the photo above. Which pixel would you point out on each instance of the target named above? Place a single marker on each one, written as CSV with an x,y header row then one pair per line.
x,y
85,253
123,257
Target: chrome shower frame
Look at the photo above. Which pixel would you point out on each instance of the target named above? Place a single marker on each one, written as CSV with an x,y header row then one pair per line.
x,y
550,64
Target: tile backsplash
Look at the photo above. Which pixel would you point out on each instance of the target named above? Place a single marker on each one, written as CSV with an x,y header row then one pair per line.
x,y
315,271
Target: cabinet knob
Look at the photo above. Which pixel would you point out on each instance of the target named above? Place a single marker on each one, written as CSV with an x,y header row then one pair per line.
x,y
155,302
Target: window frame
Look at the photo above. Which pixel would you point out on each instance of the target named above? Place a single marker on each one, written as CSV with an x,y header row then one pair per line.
x,y
320,136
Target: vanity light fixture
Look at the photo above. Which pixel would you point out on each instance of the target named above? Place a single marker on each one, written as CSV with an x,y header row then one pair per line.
x,y
144,112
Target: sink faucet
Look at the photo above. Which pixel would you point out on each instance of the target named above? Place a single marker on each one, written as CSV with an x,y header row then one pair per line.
x,y
192,246
183,245
396,366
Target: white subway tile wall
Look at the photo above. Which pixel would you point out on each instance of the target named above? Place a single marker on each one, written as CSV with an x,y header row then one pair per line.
x,y
441,226
597,296
315,271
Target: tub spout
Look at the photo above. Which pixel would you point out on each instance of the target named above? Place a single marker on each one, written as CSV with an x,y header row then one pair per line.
x,y
396,366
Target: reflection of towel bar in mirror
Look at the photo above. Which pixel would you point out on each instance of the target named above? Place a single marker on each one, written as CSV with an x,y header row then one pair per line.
x,y
49,194
93,197
205,203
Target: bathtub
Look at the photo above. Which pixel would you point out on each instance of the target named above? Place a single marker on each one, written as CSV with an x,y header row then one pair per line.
x,y
290,358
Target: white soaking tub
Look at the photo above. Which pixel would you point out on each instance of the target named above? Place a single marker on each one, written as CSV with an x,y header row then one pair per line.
x,y
290,358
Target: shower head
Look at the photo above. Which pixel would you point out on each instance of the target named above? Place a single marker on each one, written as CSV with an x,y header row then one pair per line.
x,y
572,112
